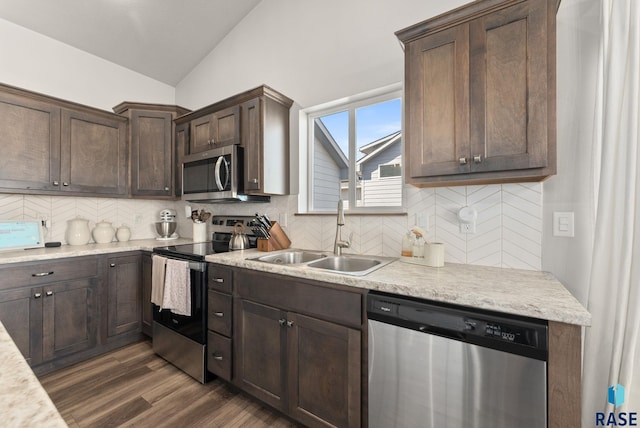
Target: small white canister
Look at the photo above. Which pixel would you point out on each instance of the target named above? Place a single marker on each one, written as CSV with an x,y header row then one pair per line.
x,y
200,232
103,233
434,254
123,233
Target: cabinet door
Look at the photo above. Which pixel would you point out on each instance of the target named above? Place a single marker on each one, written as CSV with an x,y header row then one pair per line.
x,y
218,129
151,153
30,141
147,308
437,104
324,361
252,142
509,88
182,144
124,289
21,315
259,340
94,153
69,317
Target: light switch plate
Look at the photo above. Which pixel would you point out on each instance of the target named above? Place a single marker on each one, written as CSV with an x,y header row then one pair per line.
x,y
563,224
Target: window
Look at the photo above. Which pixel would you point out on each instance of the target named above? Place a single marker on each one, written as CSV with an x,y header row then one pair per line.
x,y
355,154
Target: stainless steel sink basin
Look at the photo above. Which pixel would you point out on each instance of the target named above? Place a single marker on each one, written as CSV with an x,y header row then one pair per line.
x,y
291,257
352,265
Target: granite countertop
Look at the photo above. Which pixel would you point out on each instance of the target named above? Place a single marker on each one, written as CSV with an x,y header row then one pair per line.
x,y
23,401
513,291
63,251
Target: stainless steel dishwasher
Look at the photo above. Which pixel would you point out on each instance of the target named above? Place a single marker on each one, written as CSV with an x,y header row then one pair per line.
x,y
445,366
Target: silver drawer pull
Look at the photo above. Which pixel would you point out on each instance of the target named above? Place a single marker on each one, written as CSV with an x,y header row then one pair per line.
x,y
41,274
477,159
462,160
289,323
49,293
282,321
37,295
219,314
218,280
216,357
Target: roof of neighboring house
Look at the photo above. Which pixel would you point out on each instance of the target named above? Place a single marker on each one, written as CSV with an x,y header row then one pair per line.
x,y
372,149
326,139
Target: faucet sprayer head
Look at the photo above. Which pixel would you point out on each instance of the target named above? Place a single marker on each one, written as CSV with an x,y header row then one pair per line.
x,y
340,213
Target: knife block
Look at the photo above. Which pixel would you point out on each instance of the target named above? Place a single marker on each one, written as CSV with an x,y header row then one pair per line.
x,y
278,240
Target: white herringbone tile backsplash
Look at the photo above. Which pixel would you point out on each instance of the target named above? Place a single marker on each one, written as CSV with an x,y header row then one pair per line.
x,y
508,229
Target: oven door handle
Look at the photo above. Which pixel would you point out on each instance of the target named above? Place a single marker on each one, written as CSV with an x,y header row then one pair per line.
x,y
221,160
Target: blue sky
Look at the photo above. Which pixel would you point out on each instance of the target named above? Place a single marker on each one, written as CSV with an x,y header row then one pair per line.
x,y
372,122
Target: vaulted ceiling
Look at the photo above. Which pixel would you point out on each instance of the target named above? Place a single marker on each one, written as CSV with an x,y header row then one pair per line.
x,y
161,39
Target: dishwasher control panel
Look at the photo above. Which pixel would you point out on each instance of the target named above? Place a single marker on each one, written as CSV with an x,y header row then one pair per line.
x,y
485,328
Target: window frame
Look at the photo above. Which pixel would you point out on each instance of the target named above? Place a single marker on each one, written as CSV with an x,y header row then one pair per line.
x,y
350,104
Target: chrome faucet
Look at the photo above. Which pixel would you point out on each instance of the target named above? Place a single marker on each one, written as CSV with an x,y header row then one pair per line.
x,y
339,244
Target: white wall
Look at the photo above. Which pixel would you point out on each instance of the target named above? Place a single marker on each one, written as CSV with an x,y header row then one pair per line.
x,y
315,52
312,51
569,259
41,64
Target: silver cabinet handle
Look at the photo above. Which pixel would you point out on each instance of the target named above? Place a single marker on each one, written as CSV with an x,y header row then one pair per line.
x,y
289,323
254,181
282,321
166,189
219,314
477,158
462,160
37,295
220,280
217,357
56,183
64,183
38,275
112,265
49,293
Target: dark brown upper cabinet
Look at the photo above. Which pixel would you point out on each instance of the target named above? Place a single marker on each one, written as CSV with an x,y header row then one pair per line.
x,y
480,94
58,147
153,154
257,120
218,129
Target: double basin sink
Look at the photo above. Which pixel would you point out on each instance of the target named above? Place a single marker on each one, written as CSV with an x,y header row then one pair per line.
x,y
345,264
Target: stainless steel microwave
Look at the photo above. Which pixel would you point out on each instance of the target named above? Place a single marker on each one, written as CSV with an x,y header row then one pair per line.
x,y
216,176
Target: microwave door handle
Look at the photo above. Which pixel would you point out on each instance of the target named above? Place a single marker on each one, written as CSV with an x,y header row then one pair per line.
x,y
217,172
227,177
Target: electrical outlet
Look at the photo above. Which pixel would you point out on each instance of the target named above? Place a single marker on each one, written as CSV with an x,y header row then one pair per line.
x,y
467,228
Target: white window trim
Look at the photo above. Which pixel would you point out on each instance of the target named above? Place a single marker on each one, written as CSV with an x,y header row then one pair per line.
x,y
306,163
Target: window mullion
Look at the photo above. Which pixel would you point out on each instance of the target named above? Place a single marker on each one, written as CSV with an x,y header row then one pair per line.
x,y
352,158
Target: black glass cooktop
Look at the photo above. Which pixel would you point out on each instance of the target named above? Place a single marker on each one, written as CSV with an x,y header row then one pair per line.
x,y
196,251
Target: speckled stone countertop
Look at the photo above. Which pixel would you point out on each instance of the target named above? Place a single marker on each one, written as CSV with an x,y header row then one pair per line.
x,y
85,250
23,401
513,291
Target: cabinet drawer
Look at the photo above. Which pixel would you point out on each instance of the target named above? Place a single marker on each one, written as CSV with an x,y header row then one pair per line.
x,y
219,355
37,273
303,296
219,315
220,278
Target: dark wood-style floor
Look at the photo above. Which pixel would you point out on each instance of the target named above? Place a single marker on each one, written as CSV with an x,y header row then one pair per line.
x,y
134,387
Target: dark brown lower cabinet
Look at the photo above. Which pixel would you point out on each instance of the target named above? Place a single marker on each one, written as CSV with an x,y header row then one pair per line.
x,y
305,366
21,315
147,308
69,318
124,294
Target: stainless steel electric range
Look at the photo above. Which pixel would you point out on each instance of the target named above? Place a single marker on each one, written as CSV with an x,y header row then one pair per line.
x,y
181,339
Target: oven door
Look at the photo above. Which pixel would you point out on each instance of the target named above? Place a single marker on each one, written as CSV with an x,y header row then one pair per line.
x,y
195,326
212,175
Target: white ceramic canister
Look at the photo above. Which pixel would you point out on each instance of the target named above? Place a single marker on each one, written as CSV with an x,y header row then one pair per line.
x,y
78,231
103,233
123,233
